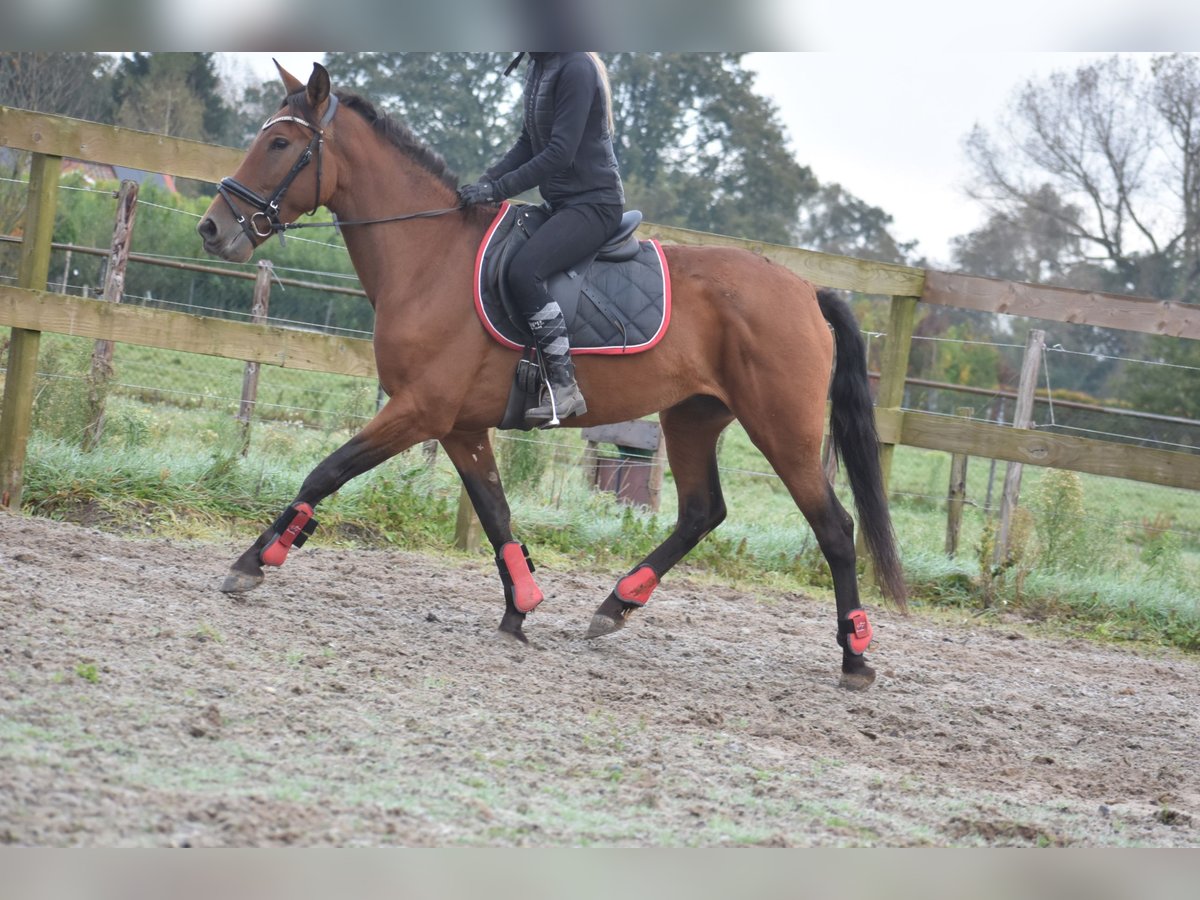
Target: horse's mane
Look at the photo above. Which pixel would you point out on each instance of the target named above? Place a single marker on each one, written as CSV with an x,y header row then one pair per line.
x,y
396,133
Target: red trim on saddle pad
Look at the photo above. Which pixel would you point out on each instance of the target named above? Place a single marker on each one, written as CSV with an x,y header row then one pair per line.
x,y
526,593
276,552
479,254
637,586
477,290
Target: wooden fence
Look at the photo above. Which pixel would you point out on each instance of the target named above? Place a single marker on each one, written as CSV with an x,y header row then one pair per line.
x,y
29,310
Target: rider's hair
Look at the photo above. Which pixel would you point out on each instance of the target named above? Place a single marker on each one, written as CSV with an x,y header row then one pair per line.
x,y
606,87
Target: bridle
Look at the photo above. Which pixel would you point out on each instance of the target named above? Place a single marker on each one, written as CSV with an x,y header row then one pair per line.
x,y
267,208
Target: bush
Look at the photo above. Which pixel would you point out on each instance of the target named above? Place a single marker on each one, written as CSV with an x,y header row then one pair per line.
x,y
1062,532
60,406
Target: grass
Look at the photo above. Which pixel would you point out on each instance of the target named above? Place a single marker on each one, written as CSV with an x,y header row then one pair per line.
x,y
1117,560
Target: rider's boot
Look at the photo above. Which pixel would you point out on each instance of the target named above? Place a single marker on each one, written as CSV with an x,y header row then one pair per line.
x,y
561,397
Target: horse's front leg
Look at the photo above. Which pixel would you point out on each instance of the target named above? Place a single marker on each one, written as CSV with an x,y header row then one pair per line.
x,y
472,455
383,437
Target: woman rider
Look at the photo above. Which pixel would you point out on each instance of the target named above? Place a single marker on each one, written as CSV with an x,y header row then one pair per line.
x,y
566,150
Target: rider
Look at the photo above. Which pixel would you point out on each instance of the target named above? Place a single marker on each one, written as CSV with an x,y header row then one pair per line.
x,y
566,150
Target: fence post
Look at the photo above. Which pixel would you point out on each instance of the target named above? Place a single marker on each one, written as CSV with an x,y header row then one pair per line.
x,y
1022,418
258,315
114,289
17,416
893,369
957,493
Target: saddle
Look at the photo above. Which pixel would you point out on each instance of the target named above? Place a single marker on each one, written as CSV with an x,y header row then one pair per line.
x,y
615,301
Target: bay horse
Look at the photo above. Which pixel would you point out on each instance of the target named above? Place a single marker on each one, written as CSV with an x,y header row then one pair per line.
x,y
748,340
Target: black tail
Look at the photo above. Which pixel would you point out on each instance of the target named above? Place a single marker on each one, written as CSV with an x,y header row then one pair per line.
x,y
855,441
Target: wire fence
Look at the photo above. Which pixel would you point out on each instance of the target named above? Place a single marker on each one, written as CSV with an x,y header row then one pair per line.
x,y
145,378
1061,411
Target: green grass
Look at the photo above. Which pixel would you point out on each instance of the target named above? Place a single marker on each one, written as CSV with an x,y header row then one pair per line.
x,y
1115,559
192,381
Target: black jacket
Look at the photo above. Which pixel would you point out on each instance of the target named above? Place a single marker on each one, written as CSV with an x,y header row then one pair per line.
x,y
565,148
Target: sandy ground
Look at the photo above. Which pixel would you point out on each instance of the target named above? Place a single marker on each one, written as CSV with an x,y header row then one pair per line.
x,y
365,698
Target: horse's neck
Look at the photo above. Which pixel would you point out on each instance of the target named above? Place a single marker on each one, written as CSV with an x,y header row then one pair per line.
x,y
394,256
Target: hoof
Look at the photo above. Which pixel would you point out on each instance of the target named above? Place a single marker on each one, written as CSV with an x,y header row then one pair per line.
x,y
237,582
602,625
858,679
510,636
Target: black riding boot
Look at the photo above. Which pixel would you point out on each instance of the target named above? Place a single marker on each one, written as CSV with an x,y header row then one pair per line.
x,y
562,398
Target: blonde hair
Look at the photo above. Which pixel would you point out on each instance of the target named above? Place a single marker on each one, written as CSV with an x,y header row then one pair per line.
x,y
606,87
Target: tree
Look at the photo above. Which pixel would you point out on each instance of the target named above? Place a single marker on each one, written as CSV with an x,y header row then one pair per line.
x,y
1029,243
65,84
835,221
1093,181
697,146
459,103
1110,154
172,93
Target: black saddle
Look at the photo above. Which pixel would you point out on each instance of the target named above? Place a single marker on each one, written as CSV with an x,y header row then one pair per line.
x,y
615,301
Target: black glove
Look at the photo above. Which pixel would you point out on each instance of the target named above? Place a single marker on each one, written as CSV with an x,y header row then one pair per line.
x,y
482,191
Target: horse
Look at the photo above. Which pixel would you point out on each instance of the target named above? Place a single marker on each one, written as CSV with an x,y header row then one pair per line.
x,y
748,340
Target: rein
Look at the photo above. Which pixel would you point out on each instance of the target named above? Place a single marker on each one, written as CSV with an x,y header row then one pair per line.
x,y
338,223
267,208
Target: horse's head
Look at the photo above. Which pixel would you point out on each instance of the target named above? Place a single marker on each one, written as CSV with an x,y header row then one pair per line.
x,y
285,172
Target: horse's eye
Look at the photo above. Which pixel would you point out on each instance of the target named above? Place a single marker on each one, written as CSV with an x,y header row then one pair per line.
x,y
279,143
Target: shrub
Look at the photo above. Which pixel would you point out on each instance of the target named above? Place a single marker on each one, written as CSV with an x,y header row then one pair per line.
x,y
1062,532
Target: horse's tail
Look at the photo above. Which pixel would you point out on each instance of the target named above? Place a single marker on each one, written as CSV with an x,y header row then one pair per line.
x,y
855,441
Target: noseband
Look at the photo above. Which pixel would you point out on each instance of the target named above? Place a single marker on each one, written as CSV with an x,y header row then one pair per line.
x,y
267,208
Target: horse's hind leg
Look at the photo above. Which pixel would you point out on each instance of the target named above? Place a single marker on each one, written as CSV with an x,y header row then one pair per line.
x,y
472,455
794,453
691,429
384,437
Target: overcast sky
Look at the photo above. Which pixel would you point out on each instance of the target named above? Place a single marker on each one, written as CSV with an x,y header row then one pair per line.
x,y
887,125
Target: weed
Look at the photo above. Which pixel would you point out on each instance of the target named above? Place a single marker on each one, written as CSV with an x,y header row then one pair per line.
x,y
522,463
88,672
60,408
1058,505
207,632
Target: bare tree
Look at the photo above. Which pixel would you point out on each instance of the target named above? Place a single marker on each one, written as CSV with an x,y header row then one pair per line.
x,y
67,84
1111,153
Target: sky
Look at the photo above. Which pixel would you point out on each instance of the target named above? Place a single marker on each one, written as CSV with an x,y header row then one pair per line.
x,y
888,125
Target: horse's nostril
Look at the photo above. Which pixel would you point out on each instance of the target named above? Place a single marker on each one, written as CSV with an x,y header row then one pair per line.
x,y
207,228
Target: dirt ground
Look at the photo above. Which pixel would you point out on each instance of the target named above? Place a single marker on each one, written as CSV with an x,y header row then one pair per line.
x,y
365,698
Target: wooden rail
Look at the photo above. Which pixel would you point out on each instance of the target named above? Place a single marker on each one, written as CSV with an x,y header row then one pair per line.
x,y
92,141
29,310
291,348
1012,298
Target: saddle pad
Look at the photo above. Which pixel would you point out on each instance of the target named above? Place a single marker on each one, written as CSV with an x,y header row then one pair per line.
x,y
614,308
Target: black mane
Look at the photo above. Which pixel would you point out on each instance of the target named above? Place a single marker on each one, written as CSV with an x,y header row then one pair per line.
x,y
396,133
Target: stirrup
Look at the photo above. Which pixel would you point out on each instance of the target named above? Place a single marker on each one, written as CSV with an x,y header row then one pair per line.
x,y
568,402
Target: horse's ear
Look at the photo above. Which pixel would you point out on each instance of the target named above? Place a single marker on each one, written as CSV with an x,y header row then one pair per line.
x,y
291,83
318,89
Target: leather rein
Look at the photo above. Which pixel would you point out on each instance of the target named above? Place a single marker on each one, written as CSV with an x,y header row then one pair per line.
x,y
265,221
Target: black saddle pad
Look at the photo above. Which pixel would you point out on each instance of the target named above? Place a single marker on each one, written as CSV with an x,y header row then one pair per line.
x,y
610,306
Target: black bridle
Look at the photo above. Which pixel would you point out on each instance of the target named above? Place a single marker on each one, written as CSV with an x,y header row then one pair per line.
x,y
267,208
